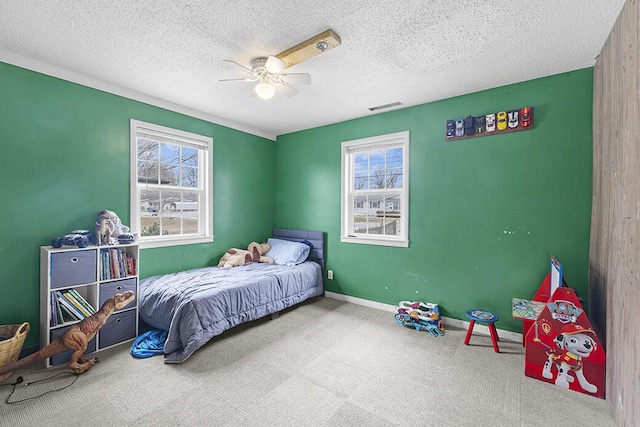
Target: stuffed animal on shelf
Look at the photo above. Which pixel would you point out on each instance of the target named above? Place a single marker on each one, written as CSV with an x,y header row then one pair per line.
x,y
109,227
235,257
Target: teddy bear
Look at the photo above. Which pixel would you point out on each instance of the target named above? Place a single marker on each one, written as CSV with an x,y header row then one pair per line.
x,y
235,257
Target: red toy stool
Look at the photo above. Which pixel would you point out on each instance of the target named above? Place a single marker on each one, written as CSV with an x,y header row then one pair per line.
x,y
487,317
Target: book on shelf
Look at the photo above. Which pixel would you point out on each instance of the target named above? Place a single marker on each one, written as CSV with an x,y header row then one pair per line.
x,y
83,301
67,315
70,308
59,316
116,264
54,313
67,294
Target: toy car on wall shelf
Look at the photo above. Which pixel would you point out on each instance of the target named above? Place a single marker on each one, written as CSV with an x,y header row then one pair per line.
x,y
504,121
490,122
451,128
459,127
525,116
513,119
469,125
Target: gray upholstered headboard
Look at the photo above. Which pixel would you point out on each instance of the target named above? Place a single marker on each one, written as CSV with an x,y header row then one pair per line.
x,y
315,237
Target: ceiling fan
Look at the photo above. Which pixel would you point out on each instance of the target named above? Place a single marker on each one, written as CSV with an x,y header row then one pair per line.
x,y
268,71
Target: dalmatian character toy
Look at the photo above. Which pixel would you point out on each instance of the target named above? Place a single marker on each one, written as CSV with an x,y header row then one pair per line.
x,y
574,343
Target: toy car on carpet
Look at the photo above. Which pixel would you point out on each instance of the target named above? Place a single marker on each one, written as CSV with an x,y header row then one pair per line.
x,y
423,316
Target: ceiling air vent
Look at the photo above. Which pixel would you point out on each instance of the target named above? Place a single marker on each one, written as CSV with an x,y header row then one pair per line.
x,y
382,107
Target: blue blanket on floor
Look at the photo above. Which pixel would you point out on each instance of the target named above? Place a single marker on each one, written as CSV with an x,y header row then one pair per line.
x,y
149,343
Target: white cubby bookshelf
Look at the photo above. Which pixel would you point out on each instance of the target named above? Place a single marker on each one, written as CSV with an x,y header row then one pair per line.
x,y
85,271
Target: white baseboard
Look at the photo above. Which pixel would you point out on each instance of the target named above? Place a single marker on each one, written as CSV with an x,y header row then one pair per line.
x,y
449,321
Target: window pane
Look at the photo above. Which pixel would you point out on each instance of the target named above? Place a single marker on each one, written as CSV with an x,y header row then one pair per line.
x,y
148,172
393,178
171,221
147,149
190,213
149,220
376,159
392,215
170,153
361,181
189,177
361,161
169,175
394,157
376,179
189,156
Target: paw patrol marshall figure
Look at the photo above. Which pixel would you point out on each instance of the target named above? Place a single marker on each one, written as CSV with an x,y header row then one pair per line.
x,y
574,343
562,348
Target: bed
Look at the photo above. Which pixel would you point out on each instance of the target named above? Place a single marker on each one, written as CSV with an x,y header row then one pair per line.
x,y
199,304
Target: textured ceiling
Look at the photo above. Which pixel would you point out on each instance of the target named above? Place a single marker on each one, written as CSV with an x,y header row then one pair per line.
x,y
170,52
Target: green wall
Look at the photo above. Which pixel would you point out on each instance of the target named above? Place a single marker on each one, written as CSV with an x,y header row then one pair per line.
x,y
65,156
486,213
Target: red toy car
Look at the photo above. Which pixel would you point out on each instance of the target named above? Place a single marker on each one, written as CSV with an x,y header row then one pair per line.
x,y
525,116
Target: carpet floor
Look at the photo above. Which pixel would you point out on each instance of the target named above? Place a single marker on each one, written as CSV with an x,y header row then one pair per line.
x,y
322,363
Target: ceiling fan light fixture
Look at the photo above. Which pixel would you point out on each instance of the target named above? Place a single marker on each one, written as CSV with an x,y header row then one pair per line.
x,y
316,45
265,90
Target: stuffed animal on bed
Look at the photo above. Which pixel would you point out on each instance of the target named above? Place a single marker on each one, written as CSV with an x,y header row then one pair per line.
x,y
235,257
258,250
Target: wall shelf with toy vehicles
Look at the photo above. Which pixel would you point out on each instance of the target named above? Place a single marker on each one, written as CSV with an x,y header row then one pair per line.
x,y
505,121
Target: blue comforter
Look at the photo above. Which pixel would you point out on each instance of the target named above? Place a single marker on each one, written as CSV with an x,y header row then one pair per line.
x,y
198,304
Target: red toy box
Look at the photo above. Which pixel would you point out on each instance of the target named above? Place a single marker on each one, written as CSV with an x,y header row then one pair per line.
x,y
562,348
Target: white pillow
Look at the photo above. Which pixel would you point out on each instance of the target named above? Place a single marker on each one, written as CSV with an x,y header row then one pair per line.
x,y
285,252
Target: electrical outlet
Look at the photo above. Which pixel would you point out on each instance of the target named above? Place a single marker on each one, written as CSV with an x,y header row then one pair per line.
x,y
330,274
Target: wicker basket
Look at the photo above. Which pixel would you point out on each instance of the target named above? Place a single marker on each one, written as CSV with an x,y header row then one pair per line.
x,y
11,341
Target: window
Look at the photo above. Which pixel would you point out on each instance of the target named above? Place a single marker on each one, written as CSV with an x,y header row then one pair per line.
x,y
375,190
171,186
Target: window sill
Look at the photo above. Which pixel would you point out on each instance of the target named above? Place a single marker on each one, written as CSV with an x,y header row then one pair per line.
x,y
400,243
161,243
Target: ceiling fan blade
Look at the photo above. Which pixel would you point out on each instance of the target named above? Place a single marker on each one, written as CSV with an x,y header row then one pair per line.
x,y
295,78
286,90
239,80
274,65
245,69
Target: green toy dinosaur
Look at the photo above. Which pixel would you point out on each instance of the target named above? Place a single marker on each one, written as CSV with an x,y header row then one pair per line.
x,y
76,338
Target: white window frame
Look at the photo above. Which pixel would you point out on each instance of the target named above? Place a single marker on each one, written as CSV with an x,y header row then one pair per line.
x,y
347,234
205,182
